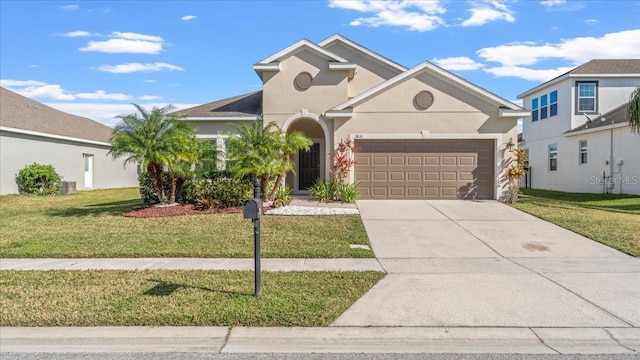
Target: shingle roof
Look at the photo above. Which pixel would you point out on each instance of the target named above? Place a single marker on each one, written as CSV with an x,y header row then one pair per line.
x,y
609,66
615,116
241,105
597,67
17,111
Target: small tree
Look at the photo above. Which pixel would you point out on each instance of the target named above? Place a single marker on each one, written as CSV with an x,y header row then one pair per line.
x,y
342,161
514,173
39,179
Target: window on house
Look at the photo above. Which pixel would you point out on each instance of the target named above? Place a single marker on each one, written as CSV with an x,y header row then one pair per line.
x,y
553,157
534,108
586,97
543,107
553,103
583,151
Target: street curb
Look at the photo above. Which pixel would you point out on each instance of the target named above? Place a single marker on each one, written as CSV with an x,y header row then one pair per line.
x,y
321,340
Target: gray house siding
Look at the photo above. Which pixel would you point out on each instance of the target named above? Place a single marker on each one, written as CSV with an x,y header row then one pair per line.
x,y
18,150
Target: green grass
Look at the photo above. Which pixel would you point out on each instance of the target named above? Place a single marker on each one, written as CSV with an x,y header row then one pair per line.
x,y
91,224
177,298
613,220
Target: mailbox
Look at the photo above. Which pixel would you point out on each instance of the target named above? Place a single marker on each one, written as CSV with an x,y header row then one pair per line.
x,y
252,209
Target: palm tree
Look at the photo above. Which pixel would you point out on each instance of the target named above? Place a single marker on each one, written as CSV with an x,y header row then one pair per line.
x,y
633,110
264,152
156,141
291,143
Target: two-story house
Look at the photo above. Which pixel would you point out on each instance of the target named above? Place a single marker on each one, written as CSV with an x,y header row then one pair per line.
x,y
421,132
577,136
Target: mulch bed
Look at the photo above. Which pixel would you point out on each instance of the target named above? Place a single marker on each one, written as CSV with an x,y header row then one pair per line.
x,y
178,210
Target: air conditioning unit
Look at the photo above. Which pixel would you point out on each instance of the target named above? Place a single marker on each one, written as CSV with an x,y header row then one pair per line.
x,y
68,187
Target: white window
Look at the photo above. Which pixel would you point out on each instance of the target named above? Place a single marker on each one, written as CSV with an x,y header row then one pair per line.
x,y
583,151
553,157
586,97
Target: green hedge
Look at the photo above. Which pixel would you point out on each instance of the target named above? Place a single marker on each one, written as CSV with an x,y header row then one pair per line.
x,y
39,179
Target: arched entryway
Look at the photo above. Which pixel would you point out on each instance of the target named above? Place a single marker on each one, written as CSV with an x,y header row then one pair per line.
x,y
310,165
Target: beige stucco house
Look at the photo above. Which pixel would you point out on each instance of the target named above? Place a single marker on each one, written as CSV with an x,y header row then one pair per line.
x,y
421,132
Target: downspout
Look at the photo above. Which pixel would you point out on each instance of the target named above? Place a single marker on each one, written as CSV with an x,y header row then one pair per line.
x,y
610,187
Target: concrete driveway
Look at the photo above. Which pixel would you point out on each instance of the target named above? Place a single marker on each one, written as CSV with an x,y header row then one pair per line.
x,y
485,264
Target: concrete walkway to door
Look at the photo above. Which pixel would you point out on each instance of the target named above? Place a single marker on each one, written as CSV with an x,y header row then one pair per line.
x,y
485,264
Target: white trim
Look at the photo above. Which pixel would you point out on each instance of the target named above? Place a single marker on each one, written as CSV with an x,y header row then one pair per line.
x,y
435,70
569,75
350,67
221,118
266,67
52,136
596,129
514,113
498,156
380,58
300,44
305,114
338,114
211,136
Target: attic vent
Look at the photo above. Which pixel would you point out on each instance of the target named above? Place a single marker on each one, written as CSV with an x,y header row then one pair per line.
x,y
303,81
423,100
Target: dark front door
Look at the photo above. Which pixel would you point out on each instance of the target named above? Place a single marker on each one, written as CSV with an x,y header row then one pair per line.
x,y
309,170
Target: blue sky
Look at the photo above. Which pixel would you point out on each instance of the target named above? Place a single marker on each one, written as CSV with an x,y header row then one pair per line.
x,y
95,58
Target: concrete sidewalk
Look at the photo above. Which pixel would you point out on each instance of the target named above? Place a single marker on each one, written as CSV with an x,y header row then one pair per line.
x,y
321,340
347,264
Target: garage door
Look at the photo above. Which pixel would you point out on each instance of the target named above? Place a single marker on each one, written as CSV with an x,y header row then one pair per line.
x,y
425,169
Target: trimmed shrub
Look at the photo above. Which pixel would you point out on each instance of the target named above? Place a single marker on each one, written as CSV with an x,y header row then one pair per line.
x,y
147,193
39,179
222,192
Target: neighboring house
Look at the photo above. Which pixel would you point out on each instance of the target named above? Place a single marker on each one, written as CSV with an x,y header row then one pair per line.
x,y
77,147
421,132
578,136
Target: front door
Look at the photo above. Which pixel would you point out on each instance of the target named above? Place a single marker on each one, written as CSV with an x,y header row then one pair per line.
x,y
309,170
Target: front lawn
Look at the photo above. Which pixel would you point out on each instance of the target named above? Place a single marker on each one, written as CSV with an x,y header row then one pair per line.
x,y
91,224
177,298
613,220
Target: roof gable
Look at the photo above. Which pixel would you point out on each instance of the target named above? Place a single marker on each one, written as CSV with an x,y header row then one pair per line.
x,y
299,46
19,112
337,38
427,67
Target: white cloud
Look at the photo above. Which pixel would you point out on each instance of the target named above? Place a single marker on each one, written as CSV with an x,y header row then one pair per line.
x,y
414,15
527,73
551,3
138,67
188,17
591,21
20,83
70,7
457,63
127,42
150,97
485,12
623,44
77,33
106,113
40,89
136,36
34,66
45,91
150,81
101,95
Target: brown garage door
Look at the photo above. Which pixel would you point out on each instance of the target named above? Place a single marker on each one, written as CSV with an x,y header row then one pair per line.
x,y
425,169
